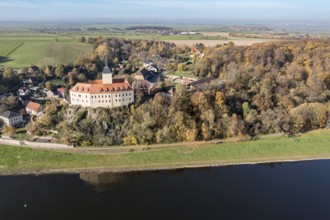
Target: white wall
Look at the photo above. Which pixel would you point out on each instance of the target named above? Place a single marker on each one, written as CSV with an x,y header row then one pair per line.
x,y
13,121
106,100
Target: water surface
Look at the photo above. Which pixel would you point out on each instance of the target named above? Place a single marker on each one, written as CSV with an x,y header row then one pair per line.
x,y
270,191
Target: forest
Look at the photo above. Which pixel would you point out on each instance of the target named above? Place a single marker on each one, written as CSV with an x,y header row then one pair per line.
x,y
268,88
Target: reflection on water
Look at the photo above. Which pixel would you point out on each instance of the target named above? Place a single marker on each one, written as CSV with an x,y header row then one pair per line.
x,y
104,181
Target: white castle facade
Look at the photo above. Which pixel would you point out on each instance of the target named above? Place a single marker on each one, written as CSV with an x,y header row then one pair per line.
x,y
107,92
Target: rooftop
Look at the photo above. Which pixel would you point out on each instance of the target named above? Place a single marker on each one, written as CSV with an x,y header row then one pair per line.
x,y
106,68
9,114
96,87
34,106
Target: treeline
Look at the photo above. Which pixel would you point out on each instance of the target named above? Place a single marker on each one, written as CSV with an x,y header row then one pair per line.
x,y
268,88
157,28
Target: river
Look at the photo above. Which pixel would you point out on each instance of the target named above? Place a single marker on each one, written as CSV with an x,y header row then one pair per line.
x,y
268,191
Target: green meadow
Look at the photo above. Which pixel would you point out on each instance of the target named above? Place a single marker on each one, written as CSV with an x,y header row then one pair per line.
x,y
23,49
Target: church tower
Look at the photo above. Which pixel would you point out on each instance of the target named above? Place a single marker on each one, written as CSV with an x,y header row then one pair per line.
x,y
106,74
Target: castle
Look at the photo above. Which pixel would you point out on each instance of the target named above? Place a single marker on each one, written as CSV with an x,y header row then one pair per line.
x,y
106,93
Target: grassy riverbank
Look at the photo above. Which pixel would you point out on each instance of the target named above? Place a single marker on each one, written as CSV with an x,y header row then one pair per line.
x,y
313,145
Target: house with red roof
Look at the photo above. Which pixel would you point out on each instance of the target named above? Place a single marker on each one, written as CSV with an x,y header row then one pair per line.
x,y
34,108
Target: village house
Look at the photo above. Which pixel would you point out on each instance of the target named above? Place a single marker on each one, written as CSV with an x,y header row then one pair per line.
x,y
23,91
205,82
107,93
34,108
11,118
180,80
143,86
50,94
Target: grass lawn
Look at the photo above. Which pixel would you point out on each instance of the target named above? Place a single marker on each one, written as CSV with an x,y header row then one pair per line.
x,y
21,134
303,147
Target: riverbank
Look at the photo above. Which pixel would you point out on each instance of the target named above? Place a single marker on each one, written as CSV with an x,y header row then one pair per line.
x,y
310,146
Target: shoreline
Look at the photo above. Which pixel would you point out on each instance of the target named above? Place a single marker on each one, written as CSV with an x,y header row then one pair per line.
x,y
271,149
100,170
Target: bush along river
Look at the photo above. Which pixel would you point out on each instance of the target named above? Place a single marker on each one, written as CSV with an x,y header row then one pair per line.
x,y
268,191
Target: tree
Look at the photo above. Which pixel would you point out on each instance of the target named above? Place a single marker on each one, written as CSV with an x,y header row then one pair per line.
x,y
49,85
130,140
82,39
48,71
102,50
181,67
1,123
60,71
8,130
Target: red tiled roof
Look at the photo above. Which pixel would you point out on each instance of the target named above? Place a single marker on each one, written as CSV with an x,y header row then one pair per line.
x,y
96,87
34,106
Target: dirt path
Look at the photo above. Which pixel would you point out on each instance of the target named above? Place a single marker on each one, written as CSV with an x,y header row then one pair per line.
x,y
133,148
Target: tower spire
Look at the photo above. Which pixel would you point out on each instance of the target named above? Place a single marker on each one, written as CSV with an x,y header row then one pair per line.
x,y
106,73
105,61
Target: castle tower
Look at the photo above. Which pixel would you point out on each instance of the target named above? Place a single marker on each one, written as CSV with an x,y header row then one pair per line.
x,y
106,73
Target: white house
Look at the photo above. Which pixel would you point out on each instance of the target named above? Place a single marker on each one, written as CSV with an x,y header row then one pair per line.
x,y
33,108
11,118
50,93
107,93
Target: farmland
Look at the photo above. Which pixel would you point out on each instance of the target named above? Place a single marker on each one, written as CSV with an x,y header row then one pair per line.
x,y
208,39
21,50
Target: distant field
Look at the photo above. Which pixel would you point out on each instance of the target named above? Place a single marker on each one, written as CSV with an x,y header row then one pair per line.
x,y
208,38
212,43
21,50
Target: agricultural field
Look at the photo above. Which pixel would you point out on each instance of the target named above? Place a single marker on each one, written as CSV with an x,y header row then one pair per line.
x,y
24,49
207,38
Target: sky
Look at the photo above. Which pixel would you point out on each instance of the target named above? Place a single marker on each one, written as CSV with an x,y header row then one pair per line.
x,y
165,10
